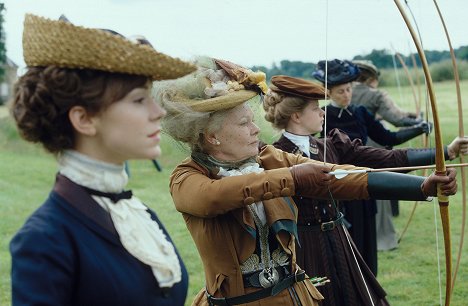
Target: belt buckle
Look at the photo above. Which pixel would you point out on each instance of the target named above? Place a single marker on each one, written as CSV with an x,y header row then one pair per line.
x,y
327,226
268,277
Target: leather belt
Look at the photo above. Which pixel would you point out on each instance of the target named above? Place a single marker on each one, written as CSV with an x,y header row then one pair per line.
x,y
287,282
324,227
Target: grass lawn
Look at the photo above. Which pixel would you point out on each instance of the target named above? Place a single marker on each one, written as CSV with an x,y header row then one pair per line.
x,y
408,274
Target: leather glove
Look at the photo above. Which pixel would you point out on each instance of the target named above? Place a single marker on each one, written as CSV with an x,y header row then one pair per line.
x,y
310,175
425,126
448,187
404,135
410,121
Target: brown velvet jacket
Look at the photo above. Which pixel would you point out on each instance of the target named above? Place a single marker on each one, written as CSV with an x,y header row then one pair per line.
x,y
215,213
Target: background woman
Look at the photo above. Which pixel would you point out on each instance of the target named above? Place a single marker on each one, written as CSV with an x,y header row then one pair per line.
x,y
291,105
358,123
376,101
236,201
90,242
379,104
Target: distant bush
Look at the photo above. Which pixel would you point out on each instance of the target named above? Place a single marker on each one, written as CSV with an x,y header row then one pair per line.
x,y
440,71
398,77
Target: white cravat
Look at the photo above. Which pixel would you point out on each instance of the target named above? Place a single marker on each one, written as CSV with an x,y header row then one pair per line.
x,y
301,141
140,235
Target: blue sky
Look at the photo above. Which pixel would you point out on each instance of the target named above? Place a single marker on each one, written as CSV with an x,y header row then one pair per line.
x,y
253,32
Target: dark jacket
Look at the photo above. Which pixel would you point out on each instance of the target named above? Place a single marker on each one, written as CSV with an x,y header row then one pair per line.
x,y
69,253
361,124
216,214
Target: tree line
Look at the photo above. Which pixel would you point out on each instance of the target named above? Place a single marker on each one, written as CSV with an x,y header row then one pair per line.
x,y
383,59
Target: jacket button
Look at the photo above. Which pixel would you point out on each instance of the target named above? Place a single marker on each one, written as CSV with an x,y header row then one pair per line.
x,y
268,195
285,192
249,200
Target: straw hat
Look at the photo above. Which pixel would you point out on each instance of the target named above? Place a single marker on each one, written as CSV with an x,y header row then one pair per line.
x,y
59,43
218,85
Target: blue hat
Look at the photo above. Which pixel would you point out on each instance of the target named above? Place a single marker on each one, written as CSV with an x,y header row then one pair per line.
x,y
339,72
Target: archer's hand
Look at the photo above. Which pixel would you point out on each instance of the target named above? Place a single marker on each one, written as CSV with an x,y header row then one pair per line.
x,y
310,175
425,126
448,181
458,146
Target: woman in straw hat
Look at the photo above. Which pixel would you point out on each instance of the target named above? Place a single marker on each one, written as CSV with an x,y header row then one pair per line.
x,y
86,97
236,200
358,123
291,104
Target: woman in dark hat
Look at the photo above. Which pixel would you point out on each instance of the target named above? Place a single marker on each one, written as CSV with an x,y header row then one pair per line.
x,y
355,120
291,105
86,97
236,200
358,123
379,103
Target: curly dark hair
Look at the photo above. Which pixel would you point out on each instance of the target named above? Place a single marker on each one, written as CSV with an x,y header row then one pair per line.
x,y
44,95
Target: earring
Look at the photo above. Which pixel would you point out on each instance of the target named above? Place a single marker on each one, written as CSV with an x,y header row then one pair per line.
x,y
216,142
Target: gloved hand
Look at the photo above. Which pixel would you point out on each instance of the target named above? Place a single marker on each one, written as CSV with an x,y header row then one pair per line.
x,y
458,146
310,175
406,134
410,121
425,126
448,187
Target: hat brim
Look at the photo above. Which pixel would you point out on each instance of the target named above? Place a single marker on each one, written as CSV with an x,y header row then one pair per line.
x,y
228,101
318,96
59,43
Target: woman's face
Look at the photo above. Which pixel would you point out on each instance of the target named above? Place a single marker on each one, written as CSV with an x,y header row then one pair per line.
x,y
310,120
341,94
238,136
129,128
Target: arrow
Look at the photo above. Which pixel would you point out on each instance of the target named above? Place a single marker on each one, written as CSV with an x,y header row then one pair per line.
x,y
341,173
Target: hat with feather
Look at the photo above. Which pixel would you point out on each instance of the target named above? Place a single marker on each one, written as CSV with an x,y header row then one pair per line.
x,y
216,85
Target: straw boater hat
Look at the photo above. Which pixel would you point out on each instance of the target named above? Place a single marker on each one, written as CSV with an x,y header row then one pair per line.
x,y
218,85
339,72
297,87
368,66
59,43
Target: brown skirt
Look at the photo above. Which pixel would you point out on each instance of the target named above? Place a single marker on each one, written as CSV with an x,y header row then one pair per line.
x,y
332,254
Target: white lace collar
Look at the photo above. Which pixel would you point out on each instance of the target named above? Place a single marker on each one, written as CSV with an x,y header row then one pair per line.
x,y
140,235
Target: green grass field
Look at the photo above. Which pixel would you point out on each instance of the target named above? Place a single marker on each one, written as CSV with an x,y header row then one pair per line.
x,y
409,274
